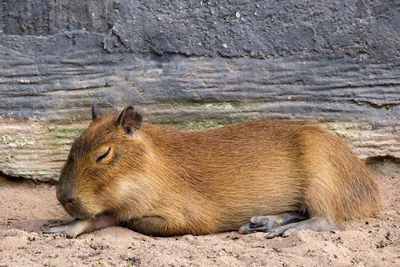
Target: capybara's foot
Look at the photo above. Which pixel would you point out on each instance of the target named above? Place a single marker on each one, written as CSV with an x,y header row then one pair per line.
x,y
318,224
78,227
277,225
265,223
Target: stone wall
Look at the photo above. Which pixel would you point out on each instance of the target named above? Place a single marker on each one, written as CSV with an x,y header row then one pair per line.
x,y
196,65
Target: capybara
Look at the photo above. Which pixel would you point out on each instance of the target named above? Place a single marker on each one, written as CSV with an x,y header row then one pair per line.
x,y
263,175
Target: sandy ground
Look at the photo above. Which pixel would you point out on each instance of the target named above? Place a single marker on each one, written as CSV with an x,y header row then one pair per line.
x,y
27,208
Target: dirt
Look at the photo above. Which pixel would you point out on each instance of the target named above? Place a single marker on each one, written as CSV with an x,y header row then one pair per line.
x,y
27,208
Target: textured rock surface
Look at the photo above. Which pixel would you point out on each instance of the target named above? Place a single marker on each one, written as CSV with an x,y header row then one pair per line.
x,y
195,65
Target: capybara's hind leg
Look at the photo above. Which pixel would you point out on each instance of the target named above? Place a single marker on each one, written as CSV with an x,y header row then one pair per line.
x,y
265,223
318,224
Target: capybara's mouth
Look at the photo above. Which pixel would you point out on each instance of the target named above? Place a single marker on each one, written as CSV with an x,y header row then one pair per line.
x,y
76,210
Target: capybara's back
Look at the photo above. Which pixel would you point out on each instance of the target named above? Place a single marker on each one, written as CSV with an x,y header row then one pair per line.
x,y
160,181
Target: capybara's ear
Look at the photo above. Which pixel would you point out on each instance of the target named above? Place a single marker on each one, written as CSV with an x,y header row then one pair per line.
x,y
95,112
129,120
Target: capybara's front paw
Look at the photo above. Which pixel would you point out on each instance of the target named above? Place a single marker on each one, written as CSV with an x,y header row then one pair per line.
x,y
71,230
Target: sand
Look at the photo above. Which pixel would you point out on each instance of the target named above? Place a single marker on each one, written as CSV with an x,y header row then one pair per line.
x,y
27,208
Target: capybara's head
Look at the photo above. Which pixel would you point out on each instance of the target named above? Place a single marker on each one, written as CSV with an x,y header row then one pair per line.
x,y
108,155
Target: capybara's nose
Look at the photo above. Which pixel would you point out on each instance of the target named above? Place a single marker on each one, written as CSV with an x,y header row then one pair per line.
x,y
65,198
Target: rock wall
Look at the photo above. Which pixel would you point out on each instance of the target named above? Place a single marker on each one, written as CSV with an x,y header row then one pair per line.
x,y
195,64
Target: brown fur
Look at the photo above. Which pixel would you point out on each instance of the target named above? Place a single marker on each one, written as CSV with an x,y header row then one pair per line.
x,y
162,181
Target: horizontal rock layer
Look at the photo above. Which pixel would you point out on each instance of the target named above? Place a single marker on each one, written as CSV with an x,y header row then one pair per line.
x,y
48,102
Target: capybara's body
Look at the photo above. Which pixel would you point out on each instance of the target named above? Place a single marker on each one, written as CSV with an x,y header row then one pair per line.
x,y
162,181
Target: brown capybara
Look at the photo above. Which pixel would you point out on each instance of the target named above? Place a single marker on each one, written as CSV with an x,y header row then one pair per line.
x,y
264,175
